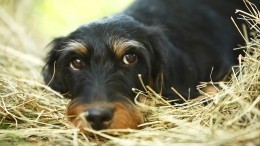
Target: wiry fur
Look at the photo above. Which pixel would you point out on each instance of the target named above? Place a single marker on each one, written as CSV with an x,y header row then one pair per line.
x,y
178,44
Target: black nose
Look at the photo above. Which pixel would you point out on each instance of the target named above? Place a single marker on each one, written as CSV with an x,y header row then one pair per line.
x,y
100,118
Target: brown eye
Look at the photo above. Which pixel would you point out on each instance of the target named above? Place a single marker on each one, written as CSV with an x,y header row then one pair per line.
x,y
129,59
76,64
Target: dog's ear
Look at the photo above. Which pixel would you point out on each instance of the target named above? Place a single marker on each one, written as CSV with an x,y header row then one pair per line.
x,y
160,46
171,66
50,72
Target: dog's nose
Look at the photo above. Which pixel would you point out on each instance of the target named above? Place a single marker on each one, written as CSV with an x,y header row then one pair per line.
x,y
100,118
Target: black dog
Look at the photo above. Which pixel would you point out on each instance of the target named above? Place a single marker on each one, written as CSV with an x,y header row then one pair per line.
x,y
171,43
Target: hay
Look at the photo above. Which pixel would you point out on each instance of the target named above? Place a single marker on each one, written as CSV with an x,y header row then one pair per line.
x,y
31,113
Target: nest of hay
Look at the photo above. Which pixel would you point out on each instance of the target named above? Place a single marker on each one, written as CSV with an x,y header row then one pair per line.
x,y
31,113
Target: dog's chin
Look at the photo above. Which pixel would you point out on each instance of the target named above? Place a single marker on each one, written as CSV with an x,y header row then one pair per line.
x,y
125,116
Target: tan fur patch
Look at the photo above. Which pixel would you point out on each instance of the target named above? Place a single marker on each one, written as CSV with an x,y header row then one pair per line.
x,y
125,116
75,46
120,46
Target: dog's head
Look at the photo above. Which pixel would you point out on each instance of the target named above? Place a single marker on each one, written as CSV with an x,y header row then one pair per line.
x,y
99,63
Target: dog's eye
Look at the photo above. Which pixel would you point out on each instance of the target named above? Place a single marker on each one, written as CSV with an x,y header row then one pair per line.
x,y
130,59
76,64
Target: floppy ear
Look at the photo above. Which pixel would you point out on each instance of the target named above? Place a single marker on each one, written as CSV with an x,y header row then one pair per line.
x,y
160,47
51,76
172,68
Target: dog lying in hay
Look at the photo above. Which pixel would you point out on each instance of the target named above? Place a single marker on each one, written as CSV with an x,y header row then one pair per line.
x,y
170,43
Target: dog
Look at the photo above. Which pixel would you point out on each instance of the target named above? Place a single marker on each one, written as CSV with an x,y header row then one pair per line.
x,y
170,43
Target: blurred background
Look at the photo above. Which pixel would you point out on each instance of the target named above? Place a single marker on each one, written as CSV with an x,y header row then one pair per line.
x,y
32,24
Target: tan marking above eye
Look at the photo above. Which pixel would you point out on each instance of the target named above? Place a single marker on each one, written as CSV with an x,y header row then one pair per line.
x,y
121,46
75,46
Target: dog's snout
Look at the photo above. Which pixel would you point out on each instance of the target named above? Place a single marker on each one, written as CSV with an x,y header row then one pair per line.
x,y
100,118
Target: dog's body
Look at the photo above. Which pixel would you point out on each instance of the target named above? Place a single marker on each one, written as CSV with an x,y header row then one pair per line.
x,y
171,43
201,36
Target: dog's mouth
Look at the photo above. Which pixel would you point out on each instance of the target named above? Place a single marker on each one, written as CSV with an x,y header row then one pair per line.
x,y
100,116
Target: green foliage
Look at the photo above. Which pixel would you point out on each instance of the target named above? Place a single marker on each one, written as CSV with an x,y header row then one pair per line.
x,y
59,17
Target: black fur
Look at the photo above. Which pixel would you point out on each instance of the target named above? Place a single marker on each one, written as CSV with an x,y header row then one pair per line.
x,y
183,41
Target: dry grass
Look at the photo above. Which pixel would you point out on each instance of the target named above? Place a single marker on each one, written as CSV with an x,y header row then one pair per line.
x,y
31,113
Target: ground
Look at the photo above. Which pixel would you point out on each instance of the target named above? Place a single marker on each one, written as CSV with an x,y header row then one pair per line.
x,y
33,114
